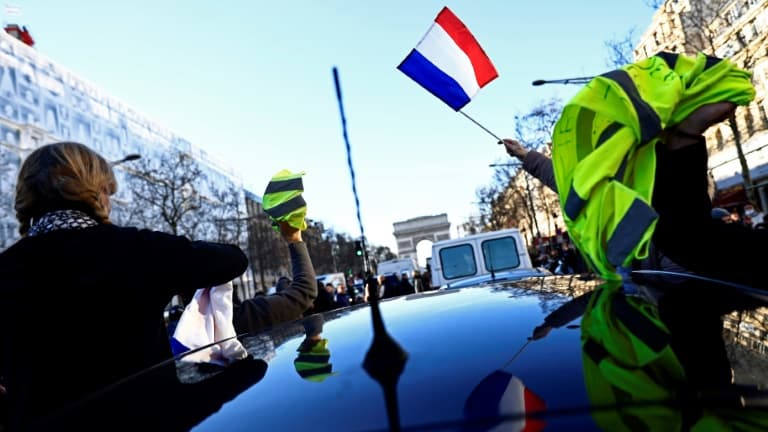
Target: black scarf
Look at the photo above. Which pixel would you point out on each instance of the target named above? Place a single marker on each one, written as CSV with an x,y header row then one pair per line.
x,y
61,219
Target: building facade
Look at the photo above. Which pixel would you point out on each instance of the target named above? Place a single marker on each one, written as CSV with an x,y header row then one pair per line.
x,y
43,102
737,30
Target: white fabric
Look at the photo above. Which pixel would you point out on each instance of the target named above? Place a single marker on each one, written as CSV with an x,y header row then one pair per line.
x,y
206,319
439,48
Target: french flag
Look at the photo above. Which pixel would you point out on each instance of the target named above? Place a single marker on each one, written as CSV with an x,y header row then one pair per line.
x,y
449,62
501,402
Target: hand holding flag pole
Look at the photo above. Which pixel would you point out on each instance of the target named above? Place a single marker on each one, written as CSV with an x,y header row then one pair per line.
x,y
450,63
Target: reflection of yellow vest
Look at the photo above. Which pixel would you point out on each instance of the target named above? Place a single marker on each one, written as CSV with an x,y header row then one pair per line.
x,y
628,360
629,366
603,148
314,363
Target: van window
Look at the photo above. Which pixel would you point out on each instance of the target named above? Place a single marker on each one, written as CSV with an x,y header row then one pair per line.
x,y
500,254
458,261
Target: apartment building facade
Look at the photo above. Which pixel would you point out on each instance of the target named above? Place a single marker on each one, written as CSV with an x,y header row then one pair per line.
x,y
42,102
736,30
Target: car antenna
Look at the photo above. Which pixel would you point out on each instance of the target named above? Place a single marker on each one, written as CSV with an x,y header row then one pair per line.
x,y
385,359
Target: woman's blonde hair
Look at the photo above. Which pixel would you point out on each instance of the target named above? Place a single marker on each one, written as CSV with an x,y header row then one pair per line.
x,y
62,176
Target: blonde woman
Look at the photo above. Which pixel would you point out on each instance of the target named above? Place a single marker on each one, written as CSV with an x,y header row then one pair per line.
x,y
81,300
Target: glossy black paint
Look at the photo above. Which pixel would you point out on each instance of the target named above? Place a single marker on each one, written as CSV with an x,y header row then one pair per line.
x,y
454,339
448,351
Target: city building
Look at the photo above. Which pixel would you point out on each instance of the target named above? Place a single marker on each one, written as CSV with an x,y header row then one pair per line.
x,y
737,30
42,102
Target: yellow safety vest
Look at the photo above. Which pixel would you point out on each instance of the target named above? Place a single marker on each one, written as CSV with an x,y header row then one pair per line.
x,y
604,148
283,201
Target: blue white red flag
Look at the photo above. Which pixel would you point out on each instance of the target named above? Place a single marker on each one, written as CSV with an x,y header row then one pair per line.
x,y
449,62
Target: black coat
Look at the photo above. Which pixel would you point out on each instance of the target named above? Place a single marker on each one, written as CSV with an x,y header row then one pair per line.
x,y
686,231
80,309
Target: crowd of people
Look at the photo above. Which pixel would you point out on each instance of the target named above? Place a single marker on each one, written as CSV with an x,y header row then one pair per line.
x,y
357,289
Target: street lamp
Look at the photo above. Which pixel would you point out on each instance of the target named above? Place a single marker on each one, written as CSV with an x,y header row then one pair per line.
x,y
127,158
580,80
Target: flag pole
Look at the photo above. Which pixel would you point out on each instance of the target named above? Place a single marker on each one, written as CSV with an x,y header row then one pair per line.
x,y
481,126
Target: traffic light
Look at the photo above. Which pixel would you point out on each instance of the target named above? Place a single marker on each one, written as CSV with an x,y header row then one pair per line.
x,y
358,248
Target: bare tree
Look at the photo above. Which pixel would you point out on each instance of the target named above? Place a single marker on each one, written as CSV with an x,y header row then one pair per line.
x,y
266,250
621,50
9,168
166,192
534,130
226,215
319,247
382,253
654,4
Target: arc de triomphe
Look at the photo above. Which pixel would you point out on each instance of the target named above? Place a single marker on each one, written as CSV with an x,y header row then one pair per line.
x,y
410,232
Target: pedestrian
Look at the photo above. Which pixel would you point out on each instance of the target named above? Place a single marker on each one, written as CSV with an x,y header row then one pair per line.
x,y
405,285
426,277
341,299
721,214
324,300
418,283
755,216
96,290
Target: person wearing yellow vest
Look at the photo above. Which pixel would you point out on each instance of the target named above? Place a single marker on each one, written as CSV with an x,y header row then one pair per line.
x,y
604,149
615,193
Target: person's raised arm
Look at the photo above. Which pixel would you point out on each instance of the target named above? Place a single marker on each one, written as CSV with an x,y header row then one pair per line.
x,y
685,230
258,313
534,163
184,265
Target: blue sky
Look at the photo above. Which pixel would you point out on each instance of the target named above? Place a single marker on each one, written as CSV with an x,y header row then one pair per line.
x,y
251,82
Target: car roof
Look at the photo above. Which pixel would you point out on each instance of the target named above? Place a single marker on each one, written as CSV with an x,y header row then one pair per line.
x,y
449,354
453,340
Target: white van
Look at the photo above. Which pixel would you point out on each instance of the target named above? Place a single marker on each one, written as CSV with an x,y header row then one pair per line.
x,y
332,278
397,267
495,253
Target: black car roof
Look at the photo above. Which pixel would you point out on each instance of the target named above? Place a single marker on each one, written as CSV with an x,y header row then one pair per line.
x,y
468,358
454,339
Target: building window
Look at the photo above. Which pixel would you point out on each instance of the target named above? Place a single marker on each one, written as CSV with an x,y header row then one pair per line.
x,y
750,121
719,139
761,22
763,116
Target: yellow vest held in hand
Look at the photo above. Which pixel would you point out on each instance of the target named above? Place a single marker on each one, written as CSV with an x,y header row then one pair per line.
x,y
603,149
283,201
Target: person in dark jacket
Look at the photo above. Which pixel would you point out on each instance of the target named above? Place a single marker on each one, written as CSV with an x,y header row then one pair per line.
x,y
292,297
686,231
82,300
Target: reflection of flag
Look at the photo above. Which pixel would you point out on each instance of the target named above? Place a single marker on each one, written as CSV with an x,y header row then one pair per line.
x,y
503,394
449,62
